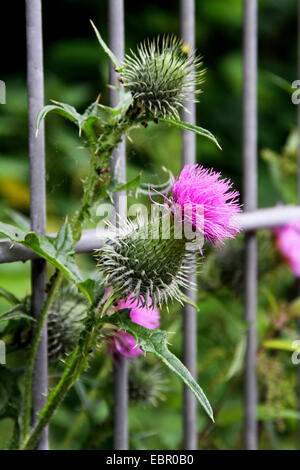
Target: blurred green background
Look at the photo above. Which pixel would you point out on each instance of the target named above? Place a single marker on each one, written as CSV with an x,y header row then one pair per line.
x,y
76,70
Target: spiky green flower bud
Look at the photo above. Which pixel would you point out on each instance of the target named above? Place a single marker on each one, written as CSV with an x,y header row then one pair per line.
x,y
146,383
162,75
65,322
150,261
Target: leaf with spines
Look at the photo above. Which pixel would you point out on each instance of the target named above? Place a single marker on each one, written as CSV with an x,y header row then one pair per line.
x,y
83,121
105,47
155,341
58,250
191,127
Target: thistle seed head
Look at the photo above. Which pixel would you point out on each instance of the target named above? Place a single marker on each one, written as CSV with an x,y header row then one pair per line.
x,y
147,262
162,75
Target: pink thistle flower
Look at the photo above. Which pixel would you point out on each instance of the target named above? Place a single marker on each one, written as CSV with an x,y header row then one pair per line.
x,y
123,343
288,243
207,202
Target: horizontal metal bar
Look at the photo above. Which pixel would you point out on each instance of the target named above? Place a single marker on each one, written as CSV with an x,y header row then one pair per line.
x,y
268,218
91,238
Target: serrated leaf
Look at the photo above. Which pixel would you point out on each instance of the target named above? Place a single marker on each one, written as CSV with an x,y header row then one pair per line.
x,y
63,109
190,127
104,46
155,341
83,121
58,250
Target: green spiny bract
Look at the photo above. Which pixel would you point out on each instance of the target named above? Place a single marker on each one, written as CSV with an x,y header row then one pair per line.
x,y
65,322
147,261
162,76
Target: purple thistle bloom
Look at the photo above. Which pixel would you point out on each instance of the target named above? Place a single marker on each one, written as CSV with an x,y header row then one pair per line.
x,y
123,343
207,202
288,243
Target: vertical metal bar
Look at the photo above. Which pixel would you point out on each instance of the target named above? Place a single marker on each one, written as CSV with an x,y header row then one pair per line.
x,y
250,203
116,41
35,82
187,20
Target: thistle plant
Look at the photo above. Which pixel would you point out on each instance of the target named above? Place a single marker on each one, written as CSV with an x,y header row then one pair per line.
x,y
162,76
154,260
144,265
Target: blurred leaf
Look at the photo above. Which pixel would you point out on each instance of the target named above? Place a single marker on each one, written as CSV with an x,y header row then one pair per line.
x,y
235,414
190,127
9,296
237,363
155,341
280,82
281,344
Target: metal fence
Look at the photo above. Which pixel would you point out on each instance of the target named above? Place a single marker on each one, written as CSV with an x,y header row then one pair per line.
x,y
251,220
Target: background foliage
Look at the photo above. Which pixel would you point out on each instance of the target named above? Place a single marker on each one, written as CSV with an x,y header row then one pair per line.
x,y
76,70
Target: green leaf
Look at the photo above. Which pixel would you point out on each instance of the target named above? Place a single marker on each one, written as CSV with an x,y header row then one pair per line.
x,y
106,49
63,109
115,186
17,312
83,121
122,107
9,296
238,359
58,250
155,341
190,127
282,344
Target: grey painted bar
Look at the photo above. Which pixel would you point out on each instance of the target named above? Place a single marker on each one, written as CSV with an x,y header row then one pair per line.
x,y
35,83
116,42
250,203
91,238
187,21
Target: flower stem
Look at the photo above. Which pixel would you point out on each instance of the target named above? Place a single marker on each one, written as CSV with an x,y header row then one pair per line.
x,y
31,361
